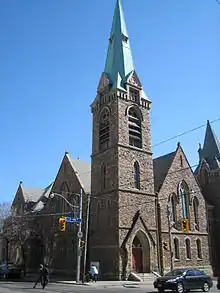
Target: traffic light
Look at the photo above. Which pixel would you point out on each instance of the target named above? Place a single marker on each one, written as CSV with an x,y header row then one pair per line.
x,y
62,224
82,245
185,226
165,245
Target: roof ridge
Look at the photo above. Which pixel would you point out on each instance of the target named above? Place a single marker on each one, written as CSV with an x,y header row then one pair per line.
x,y
171,153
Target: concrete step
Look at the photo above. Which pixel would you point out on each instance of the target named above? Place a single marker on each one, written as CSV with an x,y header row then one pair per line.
x,y
146,277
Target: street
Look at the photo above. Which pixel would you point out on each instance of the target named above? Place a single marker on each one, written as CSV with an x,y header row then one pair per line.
x,y
22,287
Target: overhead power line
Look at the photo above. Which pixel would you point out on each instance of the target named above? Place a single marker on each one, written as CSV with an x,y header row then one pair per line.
x,y
174,137
184,133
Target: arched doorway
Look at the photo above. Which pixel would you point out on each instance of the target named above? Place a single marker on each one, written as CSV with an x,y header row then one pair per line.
x,y
141,253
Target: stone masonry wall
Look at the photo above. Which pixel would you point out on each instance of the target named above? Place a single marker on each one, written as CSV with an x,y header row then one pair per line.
x,y
176,174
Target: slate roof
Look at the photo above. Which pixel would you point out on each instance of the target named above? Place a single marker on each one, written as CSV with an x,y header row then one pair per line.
x,y
43,199
211,148
32,194
83,172
161,167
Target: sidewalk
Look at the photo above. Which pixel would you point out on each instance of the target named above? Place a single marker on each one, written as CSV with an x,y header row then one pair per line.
x,y
108,283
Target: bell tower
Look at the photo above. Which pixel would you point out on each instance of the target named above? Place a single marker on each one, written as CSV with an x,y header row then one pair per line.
x,y
122,185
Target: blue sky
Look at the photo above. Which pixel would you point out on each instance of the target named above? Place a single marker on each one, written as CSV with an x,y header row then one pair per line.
x,y
52,54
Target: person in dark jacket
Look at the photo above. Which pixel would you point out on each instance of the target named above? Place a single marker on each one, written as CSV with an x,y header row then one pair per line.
x,y
42,277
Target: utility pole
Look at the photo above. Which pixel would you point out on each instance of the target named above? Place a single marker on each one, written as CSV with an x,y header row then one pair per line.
x,y
86,237
170,238
79,236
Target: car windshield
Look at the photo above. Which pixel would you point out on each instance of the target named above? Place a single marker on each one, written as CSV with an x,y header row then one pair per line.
x,y
175,273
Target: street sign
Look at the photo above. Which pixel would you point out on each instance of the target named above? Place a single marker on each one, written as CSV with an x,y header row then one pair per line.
x,y
73,220
80,234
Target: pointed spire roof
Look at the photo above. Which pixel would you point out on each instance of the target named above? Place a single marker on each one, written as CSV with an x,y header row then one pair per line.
x,y
211,147
119,61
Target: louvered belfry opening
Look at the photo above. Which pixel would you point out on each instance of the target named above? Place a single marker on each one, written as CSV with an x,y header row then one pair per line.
x,y
134,125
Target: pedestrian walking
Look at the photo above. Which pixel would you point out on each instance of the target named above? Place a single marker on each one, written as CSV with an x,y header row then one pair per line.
x,y
94,272
42,277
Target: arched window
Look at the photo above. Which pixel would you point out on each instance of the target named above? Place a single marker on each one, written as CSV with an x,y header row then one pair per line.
x,y
176,248
196,212
181,161
173,206
188,249
104,129
205,177
199,248
109,214
98,207
103,176
134,126
64,190
136,175
184,200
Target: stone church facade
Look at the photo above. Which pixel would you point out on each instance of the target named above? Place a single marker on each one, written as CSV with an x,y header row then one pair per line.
x,y
132,195
130,190
208,176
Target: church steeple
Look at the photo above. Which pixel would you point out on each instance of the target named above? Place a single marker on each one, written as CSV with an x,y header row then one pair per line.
x,y
211,147
119,61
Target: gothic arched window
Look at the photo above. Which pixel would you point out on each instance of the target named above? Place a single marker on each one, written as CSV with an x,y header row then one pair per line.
x,y
109,214
64,190
104,129
134,126
136,175
184,200
196,212
199,248
188,249
176,248
173,206
103,176
205,177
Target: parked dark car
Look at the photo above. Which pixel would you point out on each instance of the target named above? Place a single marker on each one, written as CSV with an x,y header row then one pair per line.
x,y
181,280
10,270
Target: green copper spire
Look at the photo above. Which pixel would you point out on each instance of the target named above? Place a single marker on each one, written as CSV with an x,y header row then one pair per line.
x,y
119,62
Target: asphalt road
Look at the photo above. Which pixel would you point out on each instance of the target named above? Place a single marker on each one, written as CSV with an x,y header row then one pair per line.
x,y
21,287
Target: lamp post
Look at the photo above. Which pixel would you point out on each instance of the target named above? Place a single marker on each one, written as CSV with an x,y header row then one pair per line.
x,y
86,237
169,233
79,234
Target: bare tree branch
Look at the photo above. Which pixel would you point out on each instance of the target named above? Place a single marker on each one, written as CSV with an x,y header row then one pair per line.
x,y
5,211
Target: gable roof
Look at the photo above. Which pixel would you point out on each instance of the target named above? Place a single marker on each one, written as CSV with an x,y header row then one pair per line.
x,y
83,171
43,199
31,194
161,167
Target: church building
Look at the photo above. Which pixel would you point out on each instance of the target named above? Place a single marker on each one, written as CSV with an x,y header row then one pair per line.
x,y
146,214
130,191
208,175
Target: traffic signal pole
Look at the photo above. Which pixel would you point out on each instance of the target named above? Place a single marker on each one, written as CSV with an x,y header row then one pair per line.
x,y
170,238
79,236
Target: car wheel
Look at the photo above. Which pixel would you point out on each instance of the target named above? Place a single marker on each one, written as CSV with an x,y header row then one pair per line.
x,y
179,288
160,290
205,287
